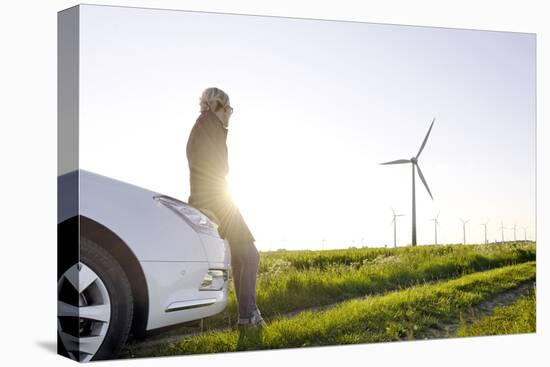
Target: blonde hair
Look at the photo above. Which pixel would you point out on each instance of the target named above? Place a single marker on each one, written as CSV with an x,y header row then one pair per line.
x,y
213,99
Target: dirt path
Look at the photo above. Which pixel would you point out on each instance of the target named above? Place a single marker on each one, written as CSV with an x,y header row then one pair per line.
x,y
444,330
484,308
193,329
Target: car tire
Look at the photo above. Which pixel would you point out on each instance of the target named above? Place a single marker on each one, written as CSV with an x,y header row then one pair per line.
x,y
95,305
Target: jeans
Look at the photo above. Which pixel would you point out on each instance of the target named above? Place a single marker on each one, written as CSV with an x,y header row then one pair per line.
x,y
245,260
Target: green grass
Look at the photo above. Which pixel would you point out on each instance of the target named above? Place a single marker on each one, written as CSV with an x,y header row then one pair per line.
x,y
518,318
307,259
298,280
404,314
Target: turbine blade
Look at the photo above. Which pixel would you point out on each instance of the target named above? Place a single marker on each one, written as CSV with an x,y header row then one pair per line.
x,y
393,211
399,161
425,139
423,180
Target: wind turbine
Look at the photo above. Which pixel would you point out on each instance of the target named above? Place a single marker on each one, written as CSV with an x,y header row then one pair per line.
x,y
502,230
414,163
464,228
485,225
525,233
394,222
514,228
436,223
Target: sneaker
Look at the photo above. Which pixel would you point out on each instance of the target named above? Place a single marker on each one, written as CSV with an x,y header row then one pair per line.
x,y
256,320
251,331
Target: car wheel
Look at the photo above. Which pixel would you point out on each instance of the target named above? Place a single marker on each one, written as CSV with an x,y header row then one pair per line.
x,y
95,305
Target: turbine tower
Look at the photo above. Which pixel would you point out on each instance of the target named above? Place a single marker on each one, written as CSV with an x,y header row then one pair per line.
x,y
436,223
514,228
394,222
502,230
464,228
485,225
525,233
414,163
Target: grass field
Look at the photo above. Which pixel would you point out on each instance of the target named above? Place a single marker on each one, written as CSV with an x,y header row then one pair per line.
x,y
518,318
299,280
372,295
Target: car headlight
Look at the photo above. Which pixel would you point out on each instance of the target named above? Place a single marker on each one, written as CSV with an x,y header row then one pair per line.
x,y
213,280
199,221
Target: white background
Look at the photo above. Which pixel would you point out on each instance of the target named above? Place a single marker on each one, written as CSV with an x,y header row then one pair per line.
x,y
29,171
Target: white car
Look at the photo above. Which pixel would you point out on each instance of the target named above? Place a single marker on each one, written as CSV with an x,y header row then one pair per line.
x,y
131,260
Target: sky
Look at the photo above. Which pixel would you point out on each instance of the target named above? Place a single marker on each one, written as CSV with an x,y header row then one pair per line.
x,y
318,105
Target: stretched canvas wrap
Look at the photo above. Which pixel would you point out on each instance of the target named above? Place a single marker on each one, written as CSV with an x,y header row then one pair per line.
x,y
238,182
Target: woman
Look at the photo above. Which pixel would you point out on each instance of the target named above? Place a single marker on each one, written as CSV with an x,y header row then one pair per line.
x,y
208,166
